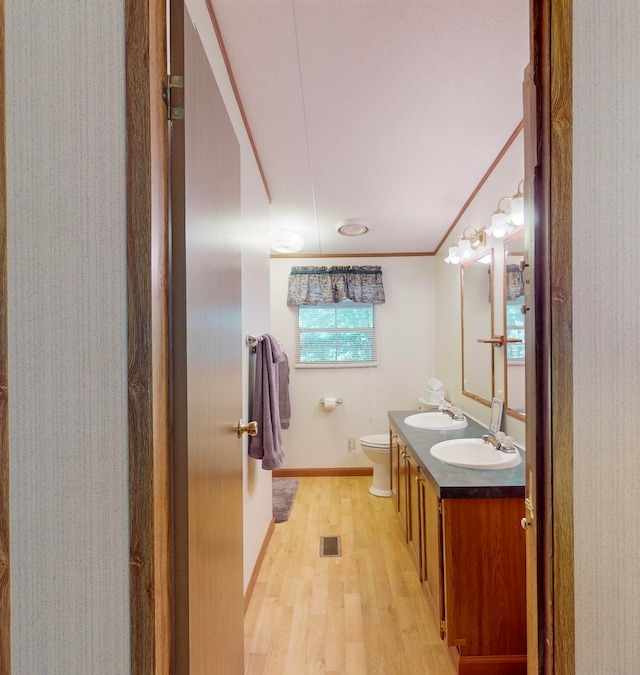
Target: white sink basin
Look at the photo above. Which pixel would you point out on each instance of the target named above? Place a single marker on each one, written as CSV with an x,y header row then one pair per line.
x,y
474,453
436,421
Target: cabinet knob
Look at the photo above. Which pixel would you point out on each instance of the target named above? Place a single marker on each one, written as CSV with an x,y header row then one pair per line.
x,y
418,479
525,523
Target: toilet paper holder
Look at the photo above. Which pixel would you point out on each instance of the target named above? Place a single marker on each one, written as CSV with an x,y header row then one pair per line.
x,y
338,401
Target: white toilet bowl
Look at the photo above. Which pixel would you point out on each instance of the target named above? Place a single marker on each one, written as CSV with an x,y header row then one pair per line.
x,y
376,449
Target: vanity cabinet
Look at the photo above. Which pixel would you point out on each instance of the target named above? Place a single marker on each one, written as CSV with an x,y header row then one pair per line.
x,y
469,553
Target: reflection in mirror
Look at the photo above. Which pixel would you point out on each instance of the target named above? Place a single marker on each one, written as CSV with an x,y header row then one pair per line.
x,y
476,302
514,326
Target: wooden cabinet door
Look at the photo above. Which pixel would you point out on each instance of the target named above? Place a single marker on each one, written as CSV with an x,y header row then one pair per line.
x,y
484,565
402,487
433,572
414,512
394,459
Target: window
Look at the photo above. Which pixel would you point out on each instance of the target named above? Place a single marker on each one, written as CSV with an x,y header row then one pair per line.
x,y
515,330
336,335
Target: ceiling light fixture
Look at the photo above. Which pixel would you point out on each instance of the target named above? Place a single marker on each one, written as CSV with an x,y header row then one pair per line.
x,y
465,245
287,242
353,228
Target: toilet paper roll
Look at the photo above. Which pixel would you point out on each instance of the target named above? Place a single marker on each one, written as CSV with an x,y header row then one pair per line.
x,y
329,403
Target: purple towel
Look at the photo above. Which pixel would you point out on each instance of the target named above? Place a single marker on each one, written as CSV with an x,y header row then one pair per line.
x,y
283,392
267,443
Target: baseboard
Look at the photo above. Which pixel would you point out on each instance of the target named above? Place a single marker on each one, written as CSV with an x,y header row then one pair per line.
x,y
508,664
339,471
258,565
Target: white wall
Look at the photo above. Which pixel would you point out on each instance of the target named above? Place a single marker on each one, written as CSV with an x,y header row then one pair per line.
x,y
317,438
67,337
255,321
503,181
255,285
606,325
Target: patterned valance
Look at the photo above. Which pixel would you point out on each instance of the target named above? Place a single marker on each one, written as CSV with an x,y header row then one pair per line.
x,y
515,282
319,285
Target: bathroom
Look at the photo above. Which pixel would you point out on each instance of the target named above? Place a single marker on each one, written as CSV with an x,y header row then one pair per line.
x,y
595,450
419,337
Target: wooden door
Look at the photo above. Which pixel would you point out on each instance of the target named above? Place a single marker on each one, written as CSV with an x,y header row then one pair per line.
x,y
207,352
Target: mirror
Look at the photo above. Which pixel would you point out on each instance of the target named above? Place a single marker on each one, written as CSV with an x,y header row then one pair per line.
x,y
476,302
514,352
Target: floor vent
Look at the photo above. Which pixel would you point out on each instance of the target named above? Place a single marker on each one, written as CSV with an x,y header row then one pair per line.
x,y
330,547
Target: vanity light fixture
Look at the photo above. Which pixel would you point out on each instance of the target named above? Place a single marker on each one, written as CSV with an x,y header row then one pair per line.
x,y
517,206
505,222
353,228
287,242
465,245
500,226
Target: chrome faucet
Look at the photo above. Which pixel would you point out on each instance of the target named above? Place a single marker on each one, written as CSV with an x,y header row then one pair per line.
x,y
453,412
500,442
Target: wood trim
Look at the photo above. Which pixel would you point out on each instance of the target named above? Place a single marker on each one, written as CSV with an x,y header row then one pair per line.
x,y
472,196
561,290
148,337
340,471
493,665
5,570
483,180
256,568
236,93
353,255
538,368
550,430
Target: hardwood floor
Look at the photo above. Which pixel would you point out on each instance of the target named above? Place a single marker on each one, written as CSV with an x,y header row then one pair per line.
x,y
361,613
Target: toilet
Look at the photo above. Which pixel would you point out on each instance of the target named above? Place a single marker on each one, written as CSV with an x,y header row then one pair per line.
x,y
376,449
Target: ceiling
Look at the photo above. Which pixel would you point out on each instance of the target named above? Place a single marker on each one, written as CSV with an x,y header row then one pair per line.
x,y
387,111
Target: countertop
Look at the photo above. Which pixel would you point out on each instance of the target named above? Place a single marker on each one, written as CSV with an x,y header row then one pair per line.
x,y
453,481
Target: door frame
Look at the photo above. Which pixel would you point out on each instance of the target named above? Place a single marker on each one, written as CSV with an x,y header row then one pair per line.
x,y
551,431
148,333
147,255
148,277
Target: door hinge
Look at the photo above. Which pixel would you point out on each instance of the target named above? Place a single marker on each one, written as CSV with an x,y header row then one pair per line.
x,y
173,82
443,627
439,505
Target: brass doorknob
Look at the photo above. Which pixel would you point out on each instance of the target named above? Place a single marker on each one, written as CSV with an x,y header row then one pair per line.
x,y
251,428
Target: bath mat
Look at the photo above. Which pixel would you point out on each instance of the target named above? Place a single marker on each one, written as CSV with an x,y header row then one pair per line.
x,y
284,492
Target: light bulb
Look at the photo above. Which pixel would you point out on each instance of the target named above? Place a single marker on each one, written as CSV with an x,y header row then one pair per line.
x,y
498,224
453,258
464,248
517,210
